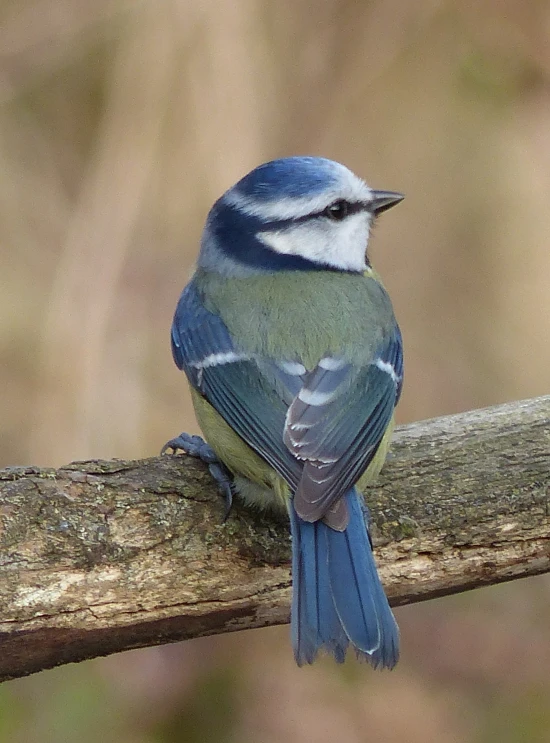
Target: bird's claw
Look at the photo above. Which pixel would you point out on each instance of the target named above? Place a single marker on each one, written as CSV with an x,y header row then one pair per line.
x,y
224,481
196,446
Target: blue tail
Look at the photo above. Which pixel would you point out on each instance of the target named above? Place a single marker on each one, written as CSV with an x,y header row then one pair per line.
x,y
338,599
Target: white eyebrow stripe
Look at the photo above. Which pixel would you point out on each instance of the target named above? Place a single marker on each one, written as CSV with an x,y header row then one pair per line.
x,y
218,359
353,189
331,364
280,209
312,397
385,366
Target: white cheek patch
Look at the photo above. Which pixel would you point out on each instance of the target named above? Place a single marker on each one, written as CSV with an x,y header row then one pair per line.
x,y
341,245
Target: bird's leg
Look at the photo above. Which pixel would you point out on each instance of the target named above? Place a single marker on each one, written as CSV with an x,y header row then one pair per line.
x,y
196,446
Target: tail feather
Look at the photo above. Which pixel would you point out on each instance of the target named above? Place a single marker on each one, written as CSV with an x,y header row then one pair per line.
x,y
338,599
352,589
315,622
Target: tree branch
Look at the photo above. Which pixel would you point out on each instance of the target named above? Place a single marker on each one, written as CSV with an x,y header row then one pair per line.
x,y
98,557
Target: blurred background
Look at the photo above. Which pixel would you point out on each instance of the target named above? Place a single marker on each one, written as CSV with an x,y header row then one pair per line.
x,y
120,124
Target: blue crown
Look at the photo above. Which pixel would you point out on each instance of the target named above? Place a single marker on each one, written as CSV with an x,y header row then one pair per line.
x,y
289,177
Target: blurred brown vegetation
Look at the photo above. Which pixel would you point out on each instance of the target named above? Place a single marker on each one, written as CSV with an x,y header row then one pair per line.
x,y
120,123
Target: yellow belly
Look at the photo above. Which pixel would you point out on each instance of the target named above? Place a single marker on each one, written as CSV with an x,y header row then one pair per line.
x,y
237,456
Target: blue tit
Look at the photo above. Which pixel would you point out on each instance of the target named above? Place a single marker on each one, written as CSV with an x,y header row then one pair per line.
x,y
294,359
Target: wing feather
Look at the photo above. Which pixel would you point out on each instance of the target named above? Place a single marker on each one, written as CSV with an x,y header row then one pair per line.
x,y
232,382
337,440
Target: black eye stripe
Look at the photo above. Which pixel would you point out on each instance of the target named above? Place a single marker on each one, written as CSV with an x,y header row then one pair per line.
x,y
337,211
341,209
352,207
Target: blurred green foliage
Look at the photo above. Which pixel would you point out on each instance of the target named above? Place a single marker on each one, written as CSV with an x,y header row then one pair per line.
x,y
212,713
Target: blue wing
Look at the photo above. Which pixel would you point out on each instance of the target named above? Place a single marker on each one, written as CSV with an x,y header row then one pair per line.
x,y
336,424
251,401
319,429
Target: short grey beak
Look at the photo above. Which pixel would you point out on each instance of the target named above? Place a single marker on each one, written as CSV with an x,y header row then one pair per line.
x,y
383,200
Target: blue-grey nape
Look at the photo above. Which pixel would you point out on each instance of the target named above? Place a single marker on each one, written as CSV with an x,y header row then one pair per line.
x,y
196,446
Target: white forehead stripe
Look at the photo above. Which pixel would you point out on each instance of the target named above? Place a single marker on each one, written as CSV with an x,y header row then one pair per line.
x,y
385,366
218,359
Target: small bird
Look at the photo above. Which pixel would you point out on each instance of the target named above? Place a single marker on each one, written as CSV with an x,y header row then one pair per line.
x,y
294,359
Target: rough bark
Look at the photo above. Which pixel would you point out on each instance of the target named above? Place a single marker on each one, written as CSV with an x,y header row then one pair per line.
x,y
98,557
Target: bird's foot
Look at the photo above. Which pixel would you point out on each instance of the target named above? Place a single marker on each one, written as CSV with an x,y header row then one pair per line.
x,y
196,446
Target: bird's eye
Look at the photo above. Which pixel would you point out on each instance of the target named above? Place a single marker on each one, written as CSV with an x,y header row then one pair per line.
x,y
337,211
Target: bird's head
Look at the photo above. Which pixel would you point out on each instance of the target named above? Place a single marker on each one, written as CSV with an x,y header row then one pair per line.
x,y
296,213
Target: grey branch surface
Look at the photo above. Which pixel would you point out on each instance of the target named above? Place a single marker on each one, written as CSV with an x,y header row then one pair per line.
x,y
102,556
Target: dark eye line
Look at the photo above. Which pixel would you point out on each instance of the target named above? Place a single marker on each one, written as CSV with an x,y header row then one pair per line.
x,y
352,207
348,208
340,209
